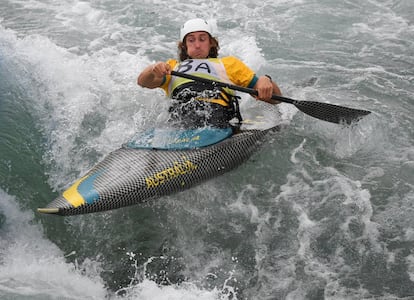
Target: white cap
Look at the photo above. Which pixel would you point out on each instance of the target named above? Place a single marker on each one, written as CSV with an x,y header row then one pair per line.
x,y
194,25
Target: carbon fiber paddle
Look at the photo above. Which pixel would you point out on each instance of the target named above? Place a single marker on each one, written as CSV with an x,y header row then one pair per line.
x,y
322,111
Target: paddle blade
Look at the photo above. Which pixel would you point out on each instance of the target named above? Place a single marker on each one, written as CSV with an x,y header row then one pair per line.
x,y
330,112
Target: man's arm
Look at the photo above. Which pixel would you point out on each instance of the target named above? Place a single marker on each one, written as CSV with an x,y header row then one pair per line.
x,y
266,88
153,75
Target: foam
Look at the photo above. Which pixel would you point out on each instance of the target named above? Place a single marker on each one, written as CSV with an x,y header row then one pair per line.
x,y
149,290
31,265
82,102
81,64
327,190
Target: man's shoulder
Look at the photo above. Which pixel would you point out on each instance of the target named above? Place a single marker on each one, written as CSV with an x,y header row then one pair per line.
x,y
230,58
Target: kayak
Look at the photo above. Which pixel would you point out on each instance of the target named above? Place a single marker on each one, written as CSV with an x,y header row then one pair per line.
x,y
156,163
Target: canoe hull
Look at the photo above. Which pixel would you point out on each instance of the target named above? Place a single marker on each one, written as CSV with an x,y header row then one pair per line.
x,y
130,176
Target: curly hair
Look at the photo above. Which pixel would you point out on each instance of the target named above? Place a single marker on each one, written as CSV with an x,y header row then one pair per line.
x,y
182,49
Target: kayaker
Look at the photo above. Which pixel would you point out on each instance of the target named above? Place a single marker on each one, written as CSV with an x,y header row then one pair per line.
x,y
195,103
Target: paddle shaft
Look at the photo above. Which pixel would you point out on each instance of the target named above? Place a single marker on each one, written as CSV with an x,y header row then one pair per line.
x,y
230,86
323,111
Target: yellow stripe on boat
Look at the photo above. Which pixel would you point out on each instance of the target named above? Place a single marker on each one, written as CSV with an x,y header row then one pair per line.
x,y
72,194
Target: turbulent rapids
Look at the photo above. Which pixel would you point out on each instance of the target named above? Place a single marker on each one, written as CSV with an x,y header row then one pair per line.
x,y
321,211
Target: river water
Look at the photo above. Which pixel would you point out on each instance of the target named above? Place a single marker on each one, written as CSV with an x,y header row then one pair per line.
x,y
322,211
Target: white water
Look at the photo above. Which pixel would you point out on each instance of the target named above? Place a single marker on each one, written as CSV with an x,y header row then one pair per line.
x,y
321,211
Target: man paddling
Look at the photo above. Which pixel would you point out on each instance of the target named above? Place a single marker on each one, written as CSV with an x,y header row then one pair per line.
x,y
196,103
